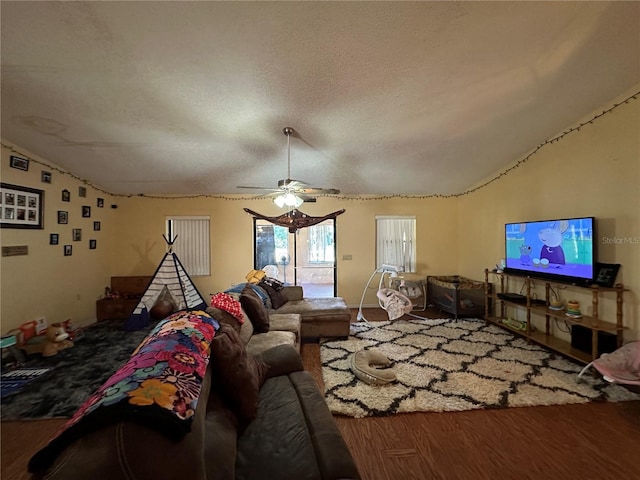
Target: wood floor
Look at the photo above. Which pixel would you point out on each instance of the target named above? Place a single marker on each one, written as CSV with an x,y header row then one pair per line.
x,y
592,441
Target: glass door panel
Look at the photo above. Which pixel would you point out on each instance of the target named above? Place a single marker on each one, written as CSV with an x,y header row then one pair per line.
x,y
305,258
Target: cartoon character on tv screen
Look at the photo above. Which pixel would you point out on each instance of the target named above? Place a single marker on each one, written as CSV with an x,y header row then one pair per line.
x,y
551,237
525,254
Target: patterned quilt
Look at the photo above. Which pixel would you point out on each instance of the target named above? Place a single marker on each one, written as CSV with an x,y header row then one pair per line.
x,y
159,385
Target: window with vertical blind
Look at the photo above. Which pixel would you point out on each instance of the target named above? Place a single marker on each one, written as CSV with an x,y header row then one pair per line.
x,y
396,241
191,243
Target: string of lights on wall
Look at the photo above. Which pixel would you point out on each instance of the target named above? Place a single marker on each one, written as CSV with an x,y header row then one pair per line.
x,y
497,177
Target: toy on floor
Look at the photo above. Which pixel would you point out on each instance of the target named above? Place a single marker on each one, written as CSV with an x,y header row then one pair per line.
x,y
57,339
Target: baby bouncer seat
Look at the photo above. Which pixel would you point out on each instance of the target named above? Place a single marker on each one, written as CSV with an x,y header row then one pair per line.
x,y
621,366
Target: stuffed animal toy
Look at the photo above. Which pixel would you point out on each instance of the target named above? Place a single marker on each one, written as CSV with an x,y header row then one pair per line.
x,y
57,339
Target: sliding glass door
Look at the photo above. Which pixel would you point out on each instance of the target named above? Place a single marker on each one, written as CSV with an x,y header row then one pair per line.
x,y
306,258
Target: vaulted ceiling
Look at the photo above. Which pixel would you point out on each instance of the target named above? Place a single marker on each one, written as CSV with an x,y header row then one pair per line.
x,y
386,98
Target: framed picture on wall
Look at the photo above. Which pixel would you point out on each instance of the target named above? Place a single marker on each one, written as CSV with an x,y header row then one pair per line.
x,y
77,234
66,195
21,207
86,211
82,191
45,177
92,244
68,249
19,163
96,226
53,239
63,216
100,202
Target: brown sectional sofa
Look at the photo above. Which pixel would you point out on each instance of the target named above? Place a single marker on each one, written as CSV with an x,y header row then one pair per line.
x,y
293,436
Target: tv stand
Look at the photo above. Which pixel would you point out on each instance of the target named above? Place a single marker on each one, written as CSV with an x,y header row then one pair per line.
x,y
499,296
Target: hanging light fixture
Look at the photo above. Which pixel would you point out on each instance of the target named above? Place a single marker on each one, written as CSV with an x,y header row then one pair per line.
x,y
288,199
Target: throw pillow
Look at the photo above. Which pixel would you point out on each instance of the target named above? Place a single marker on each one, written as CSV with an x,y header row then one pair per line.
x,y
225,317
227,303
237,374
274,282
241,286
255,309
277,296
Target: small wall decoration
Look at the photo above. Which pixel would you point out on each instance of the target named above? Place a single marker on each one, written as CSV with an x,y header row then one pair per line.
x,y
100,202
77,234
15,250
82,192
92,244
68,249
63,216
53,239
86,211
66,195
96,226
19,163
45,177
21,207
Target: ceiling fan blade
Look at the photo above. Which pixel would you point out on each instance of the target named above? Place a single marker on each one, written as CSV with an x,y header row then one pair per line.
x,y
307,198
319,191
269,189
291,184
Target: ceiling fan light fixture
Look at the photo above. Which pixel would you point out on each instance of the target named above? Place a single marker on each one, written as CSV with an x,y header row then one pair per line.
x,y
288,199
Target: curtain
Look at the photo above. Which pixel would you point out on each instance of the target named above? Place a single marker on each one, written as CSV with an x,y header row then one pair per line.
x,y
396,241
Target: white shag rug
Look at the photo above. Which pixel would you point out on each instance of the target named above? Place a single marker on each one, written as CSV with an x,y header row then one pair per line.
x,y
447,365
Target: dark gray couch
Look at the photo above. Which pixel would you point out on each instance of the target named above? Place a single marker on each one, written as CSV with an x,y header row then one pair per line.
x,y
293,436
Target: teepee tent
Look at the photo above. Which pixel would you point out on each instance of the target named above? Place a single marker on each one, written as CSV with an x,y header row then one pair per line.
x,y
170,277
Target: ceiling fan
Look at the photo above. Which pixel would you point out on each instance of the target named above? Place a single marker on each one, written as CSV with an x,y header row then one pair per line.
x,y
290,192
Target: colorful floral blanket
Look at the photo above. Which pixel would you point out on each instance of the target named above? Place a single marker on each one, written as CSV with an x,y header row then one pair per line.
x,y
159,385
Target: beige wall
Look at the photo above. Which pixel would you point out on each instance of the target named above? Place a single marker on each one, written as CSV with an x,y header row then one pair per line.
x,y
455,235
45,283
591,172
140,225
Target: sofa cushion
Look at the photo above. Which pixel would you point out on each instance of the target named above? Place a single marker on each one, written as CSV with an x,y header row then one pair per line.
x,y
275,292
316,307
246,330
285,322
255,309
279,435
263,341
236,374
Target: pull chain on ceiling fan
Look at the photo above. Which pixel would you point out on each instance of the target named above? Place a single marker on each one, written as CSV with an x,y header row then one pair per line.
x,y
290,192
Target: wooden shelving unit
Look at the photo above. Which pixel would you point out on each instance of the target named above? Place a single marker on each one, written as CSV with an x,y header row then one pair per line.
x,y
593,322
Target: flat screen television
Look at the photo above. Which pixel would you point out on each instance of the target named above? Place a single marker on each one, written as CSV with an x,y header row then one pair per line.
x,y
561,249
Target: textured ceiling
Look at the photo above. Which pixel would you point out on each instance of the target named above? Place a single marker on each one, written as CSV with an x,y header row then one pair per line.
x,y
409,98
